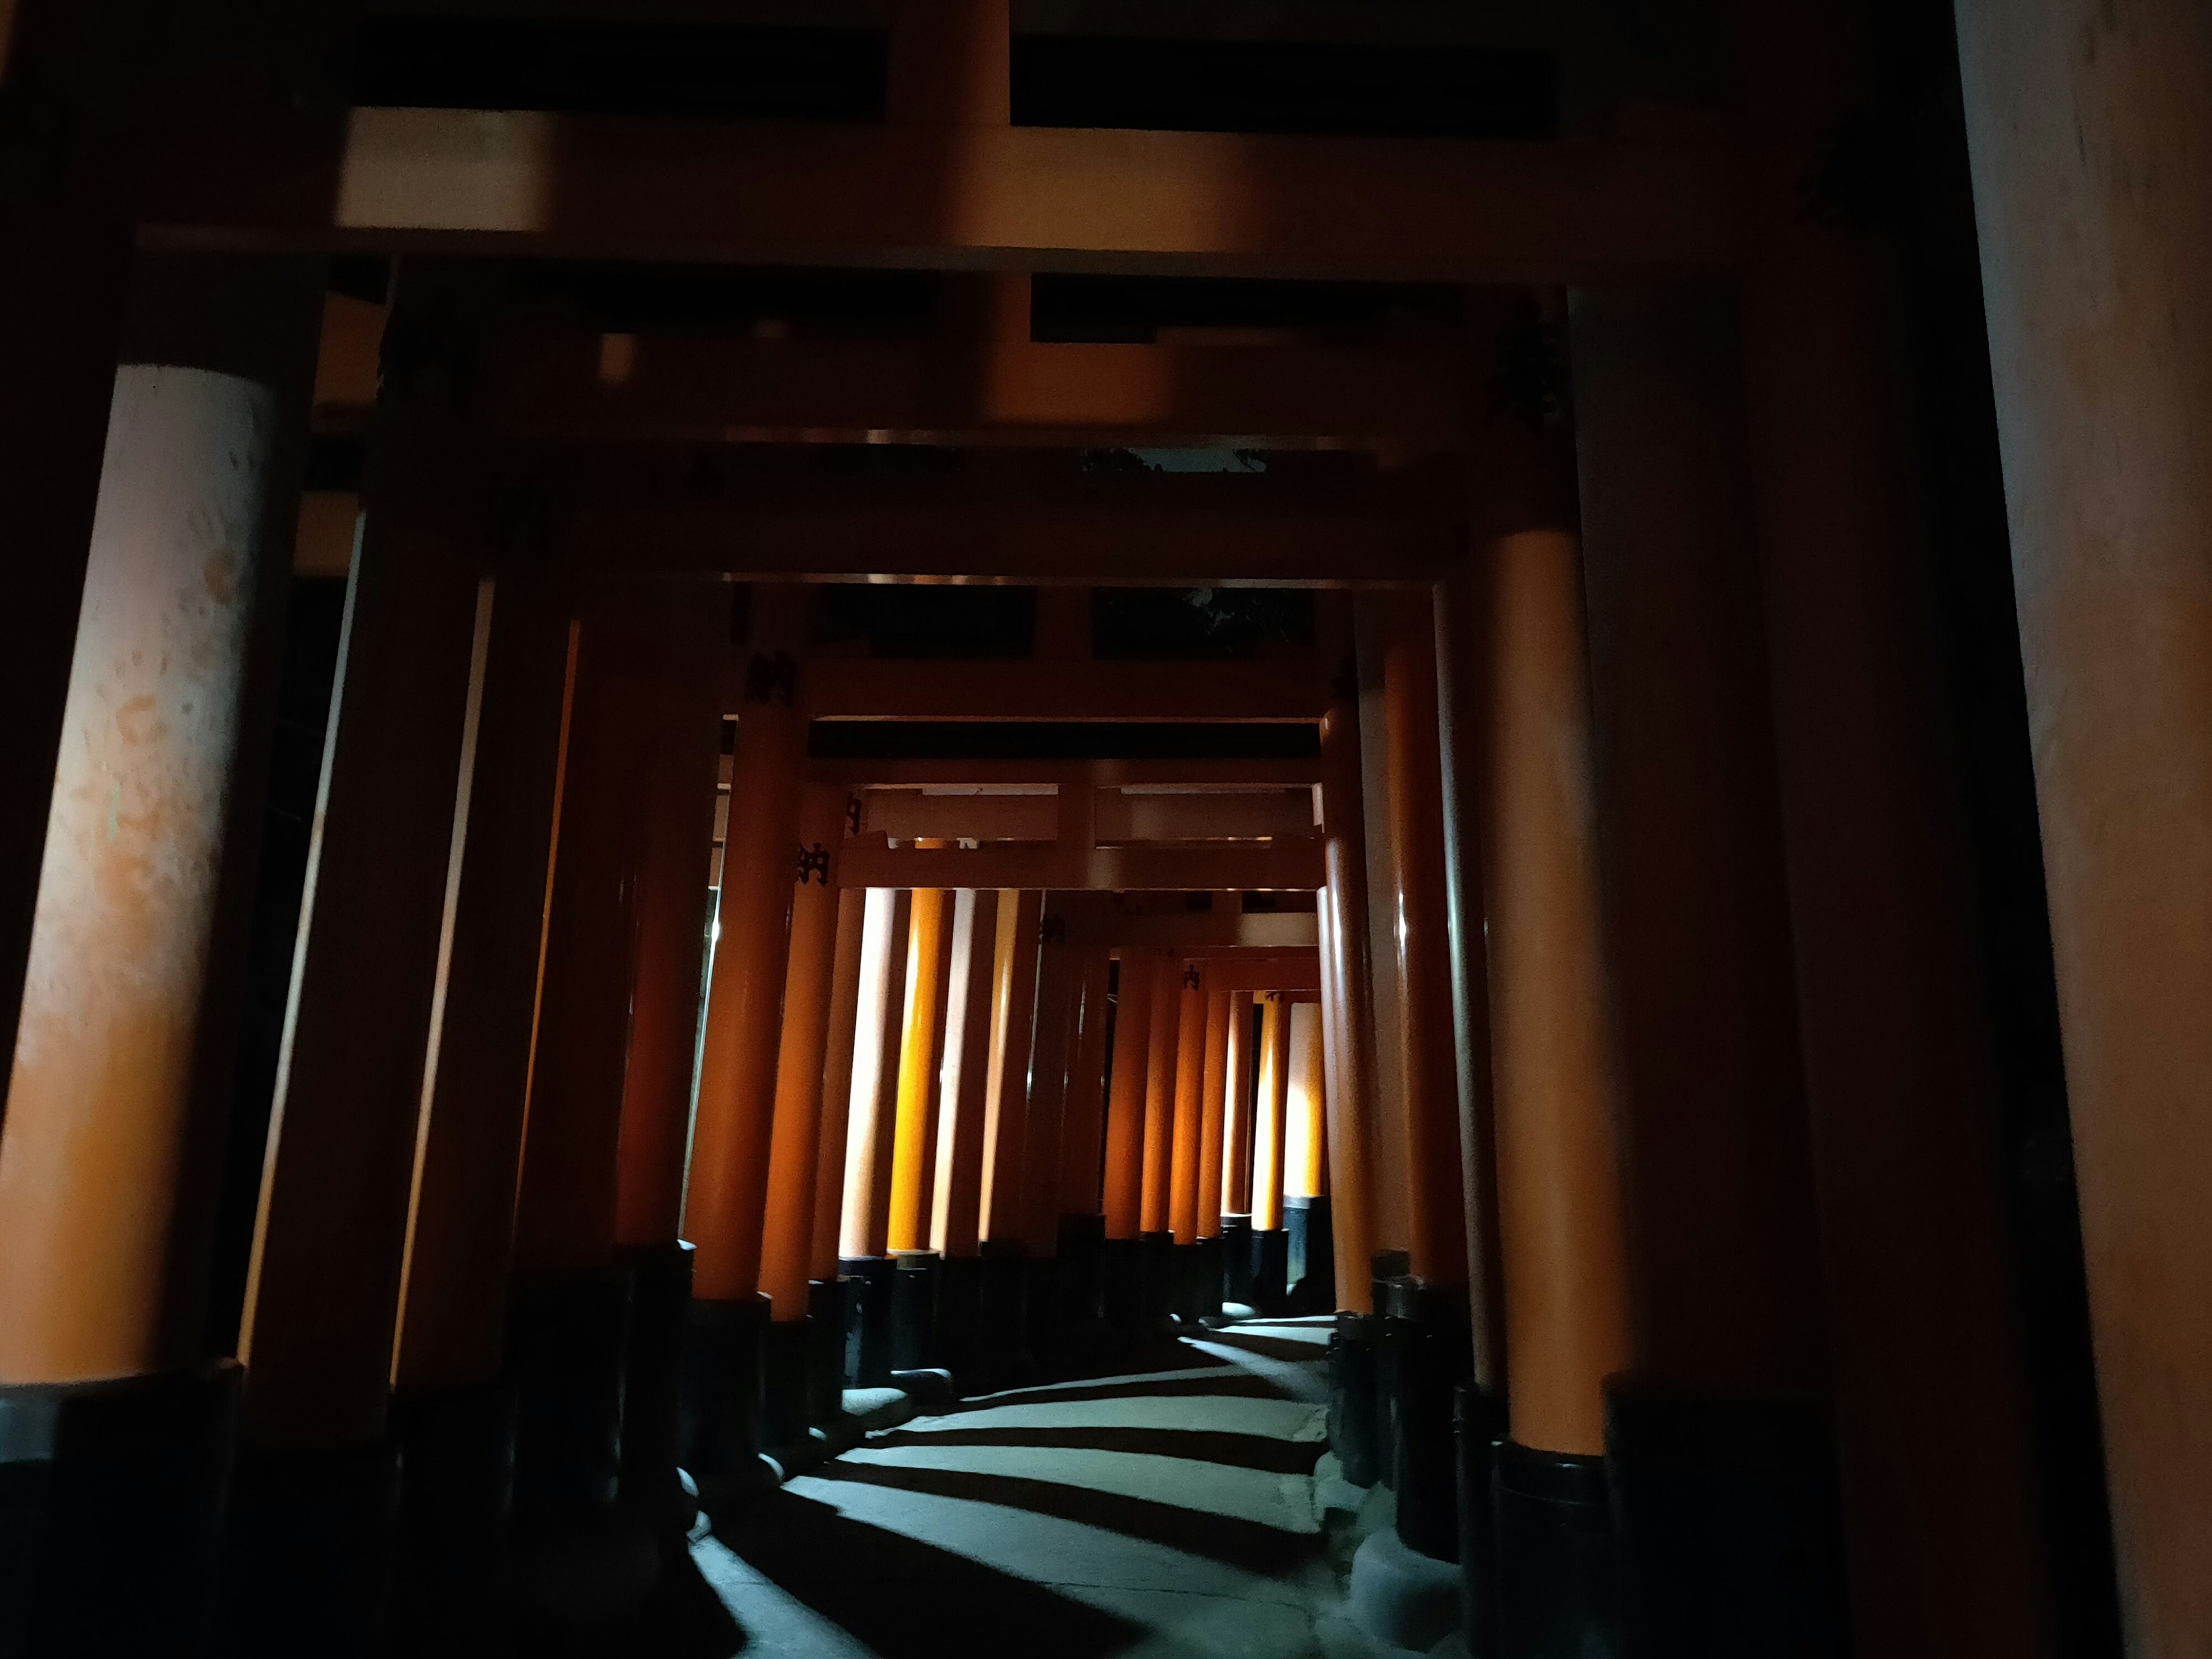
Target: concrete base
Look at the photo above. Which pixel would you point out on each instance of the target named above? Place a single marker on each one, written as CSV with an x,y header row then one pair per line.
x,y
87,1464
1401,1597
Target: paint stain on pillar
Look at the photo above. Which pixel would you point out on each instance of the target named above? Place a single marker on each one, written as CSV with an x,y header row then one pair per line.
x,y
100,1087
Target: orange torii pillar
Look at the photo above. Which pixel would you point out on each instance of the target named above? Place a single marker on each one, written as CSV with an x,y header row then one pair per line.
x,y
1077,1222
829,1293
671,912
1156,1225
1121,1270
1008,1113
393,811
1056,1021
1347,1022
1558,1095
864,1234
1186,1159
117,1414
1427,1334
1221,1007
1311,1270
913,1285
569,1316
1270,1242
795,1136
726,1199
451,1406
962,1125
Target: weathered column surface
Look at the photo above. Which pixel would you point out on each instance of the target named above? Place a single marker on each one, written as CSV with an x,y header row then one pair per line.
x,y
2090,128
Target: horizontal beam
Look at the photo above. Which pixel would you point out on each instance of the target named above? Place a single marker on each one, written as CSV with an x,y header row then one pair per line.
x,y
1034,198
1253,972
868,861
1201,929
565,386
1064,775
863,688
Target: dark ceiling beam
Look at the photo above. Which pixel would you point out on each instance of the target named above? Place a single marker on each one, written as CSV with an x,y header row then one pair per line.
x,y
1031,199
550,386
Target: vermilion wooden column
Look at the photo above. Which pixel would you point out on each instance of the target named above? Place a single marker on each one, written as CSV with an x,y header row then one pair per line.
x,y
1164,1029
1346,1017
105,1156
564,1219
1305,1131
1559,1162
683,742
1013,1031
873,1110
1437,1232
727,1193
322,1292
1268,1129
1126,1094
849,980
1191,1005
1058,1022
1083,1120
956,1211
787,1235
1236,1188
2088,130
918,1069
1214,1103
460,1229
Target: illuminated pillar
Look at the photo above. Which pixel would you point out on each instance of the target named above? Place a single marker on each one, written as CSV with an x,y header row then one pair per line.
x,y
123,753
1013,1032
918,1067
1058,1021
956,1227
787,1229
726,1196
1121,1287
864,1250
1236,1188
1164,1029
787,1236
1270,1242
1214,1085
1192,1029
1347,1029
2089,128
856,976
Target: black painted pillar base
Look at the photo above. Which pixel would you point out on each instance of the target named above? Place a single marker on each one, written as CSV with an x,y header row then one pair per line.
x,y
1121,1287
1086,1327
1479,1424
1156,1273
1311,1264
652,1389
722,1361
1043,1327
456,1496
914,1309
576,1556
1236,1260
1431,1341
827,1322
1186,1282
868,1321
1352,1434
1389,1335
1271,1269
786,1345
1210,1271
309,1545
1006,1355
960,1320
85,1466
1557,1597
1730,1527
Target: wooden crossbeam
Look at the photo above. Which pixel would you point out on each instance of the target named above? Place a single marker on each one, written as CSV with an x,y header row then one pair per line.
x,y
1067,865
541,383
861,689
1095,926
975,198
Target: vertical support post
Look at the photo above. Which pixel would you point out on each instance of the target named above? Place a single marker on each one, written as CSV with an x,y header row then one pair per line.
x,y
873,1117
1236,1188
1348,1015
1013,1034
795,1136
2088,128
918,1067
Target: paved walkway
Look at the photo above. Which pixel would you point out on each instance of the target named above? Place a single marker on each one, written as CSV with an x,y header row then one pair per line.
x,y
1171,1511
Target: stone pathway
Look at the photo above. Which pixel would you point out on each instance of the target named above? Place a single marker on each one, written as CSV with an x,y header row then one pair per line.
x,y
1171,1511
